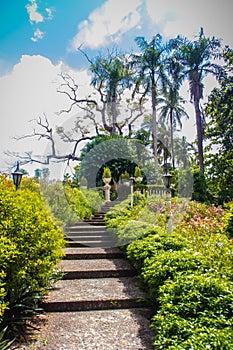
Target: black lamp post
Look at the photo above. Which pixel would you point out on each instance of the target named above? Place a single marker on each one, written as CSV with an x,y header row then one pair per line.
x,y
17,176
167,180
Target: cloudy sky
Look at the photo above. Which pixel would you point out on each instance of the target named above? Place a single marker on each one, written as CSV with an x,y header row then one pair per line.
x,y
39,39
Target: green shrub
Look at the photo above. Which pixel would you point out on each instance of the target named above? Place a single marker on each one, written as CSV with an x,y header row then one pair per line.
x,y
132,230
107,173
30,248
120,215
166,264
156,240
228,221
94,200
202,226
69,204
186,273
28,183
191,305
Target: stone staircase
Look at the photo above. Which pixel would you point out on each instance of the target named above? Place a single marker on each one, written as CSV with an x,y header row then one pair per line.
x,y
99,279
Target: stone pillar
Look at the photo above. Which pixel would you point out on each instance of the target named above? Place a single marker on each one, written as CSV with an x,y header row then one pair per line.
x,y
107,192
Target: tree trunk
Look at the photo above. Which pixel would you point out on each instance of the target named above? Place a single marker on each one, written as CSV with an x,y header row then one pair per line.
x,y
154,127
172,139
199,127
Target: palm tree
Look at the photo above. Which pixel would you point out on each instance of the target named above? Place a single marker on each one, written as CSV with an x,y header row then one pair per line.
x,y
111,78
150,73
196,57
172,111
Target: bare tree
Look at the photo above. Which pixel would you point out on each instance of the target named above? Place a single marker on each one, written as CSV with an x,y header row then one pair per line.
x,y
45,132
111,81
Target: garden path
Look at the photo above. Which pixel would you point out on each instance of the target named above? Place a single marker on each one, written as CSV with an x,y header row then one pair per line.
x,y
98,304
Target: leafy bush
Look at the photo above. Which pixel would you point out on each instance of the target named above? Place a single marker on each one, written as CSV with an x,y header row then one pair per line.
x,y
228,221
166,264
186,273
156,240
120,214
195,309
202,225
132,230
69,204
30,247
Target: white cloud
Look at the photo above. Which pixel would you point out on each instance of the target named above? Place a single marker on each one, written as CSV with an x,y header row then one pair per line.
x,y
34,15
180,17
38,34
107,24
27,92
49,13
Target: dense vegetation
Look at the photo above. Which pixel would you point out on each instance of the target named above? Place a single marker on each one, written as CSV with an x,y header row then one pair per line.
x,y
30,247
187,273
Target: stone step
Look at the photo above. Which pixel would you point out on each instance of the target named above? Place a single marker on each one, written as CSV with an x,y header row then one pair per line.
x,y
94,294
95,220
92,253
84,228
91,330
96,268
88,233
90,236
99,215
95,223
93,244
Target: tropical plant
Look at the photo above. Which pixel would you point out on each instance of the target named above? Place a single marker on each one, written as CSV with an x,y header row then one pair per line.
x,y
196,57
150,76
172,110
219,134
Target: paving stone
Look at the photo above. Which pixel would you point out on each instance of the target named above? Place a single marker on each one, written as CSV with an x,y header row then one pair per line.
x,y
93,330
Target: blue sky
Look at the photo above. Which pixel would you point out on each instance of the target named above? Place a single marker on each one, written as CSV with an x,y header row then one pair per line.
x,y
39,39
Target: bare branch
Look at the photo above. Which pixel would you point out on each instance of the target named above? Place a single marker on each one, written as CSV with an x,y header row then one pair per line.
x,y
53,156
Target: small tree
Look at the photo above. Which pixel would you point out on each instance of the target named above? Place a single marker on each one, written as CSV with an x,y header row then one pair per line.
x,y
107,173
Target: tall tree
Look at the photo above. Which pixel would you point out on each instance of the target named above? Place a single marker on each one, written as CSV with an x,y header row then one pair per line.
x,y
197,57
150,75
172,111
219,133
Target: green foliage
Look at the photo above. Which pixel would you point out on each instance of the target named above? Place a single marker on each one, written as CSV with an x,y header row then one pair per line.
x,y
166,264
137,172
84,203
228,221
219,109
70,204
30,248
4,344
202,225
201,192
107,173
125,176
31,184
55,196
195,309
187,274
155,242
116,152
